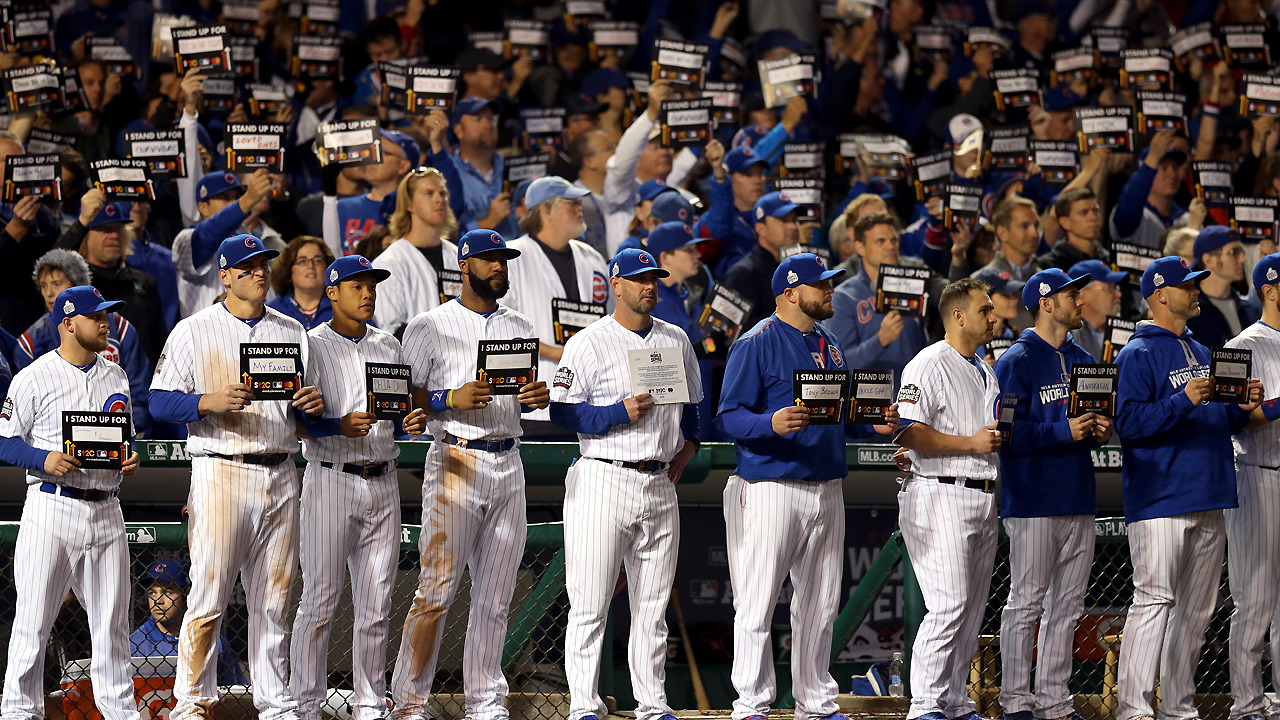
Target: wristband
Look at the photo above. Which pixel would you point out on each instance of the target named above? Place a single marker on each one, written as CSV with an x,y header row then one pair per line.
x,y
438,400
1211,110
448,399
1271,409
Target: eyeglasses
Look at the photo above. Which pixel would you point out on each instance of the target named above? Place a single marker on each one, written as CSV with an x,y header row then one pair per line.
x,y
1233,253
303,262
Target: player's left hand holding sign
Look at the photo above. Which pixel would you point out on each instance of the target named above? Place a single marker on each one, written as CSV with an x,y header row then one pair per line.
x,y
535,395
415,423
130,466
1255,396
891,418
308,400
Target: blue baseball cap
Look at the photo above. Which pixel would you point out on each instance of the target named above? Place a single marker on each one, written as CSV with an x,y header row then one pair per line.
x,y
345,267
169,570
215,183
81,300
1171,154
671,236
601,80
740,160
116,212
1267,271
748,136
634,261
1168,271
774,204
582,104
651,189
519,192
1097,270
408,146
238,248
473,106
801,269
1213,238
551,186
673,207
1062,99
1000,281
1047,283
478,242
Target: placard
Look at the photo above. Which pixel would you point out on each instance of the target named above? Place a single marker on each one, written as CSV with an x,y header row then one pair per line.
x,y
680,63
1161,111
805,192
1254,218
487,40
1133,258
1245,46
240,16
1229,373
979,37
1077,65
685,123
393,84
449,283
518,168
1105,127
387,389
219,95
317,57
543,128
785,78
123,180
429,88
821,251
30,32
855,11
508,365
568,317
1261,95
255,145
610,39
885,155
1196,42
97,440
1005,149
726,102
824,393
934,42
39,175
1093,389
46,142
733,60
1146,67
162,34
33,87
902,288
265,101
579,14
1212,182
660,373
638,98
320,17
870,396
1016,88
961,204
203,47
350,142
73,95
163,150
525,38
1109,42
1059,164
930,174
724,313
107,50
1006,412
1115,335
244,56
997,345
272,371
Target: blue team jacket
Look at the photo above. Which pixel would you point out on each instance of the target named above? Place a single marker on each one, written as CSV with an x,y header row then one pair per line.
x,y
150,641
1042,472
1177,457
759,381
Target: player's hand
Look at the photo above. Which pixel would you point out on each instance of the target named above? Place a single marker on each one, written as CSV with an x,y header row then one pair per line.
x,y
891,420
1082,427
1255,396
130,466
678,463
475,395
792,418
890,328
1159,146
192,92
230,398
356,424
91,204
308,400
794,112
256,189
1102,428
638,406
986,440
59,464
902,460
1197,390
535,395
659,90
415,423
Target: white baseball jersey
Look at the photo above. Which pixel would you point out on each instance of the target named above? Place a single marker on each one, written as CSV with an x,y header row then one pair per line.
x,y
1261,445
945,391
413,286
442,346
39,394
202,355
199,286
534,282
595,370
337,370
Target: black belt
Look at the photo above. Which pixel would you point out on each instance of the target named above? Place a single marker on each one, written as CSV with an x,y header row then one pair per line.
x,y
77,493
493,446
367,472
985,486
644,466
267,460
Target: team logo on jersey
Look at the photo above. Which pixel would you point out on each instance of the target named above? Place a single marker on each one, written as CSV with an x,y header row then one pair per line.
x,y
117,403
6,411
792,277
909,394
1159,279
599,287
563,378
112,351
68,308
1271,274
836,357
1044,289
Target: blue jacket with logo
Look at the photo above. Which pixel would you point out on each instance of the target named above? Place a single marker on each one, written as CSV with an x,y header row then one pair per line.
x,y
150,641
1178,457
857,324
1042,472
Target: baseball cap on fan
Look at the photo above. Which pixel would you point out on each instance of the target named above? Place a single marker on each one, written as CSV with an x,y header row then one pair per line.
x,y
216,183
801,269
345,267
116,212
671,236
964,127
482,241
81,300
238,248
774,204
169,570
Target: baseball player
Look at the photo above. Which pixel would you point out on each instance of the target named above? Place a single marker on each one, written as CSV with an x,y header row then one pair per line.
x,y
350,514
242,506
72,532
1050,524
1178,476
1253,529
784,506
620,498
946,508
473,492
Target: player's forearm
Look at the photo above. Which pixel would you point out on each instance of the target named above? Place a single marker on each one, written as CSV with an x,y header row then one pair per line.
x,y
924,439
18,453
1139,420
550,352
176,407
690,425
589,419
743,424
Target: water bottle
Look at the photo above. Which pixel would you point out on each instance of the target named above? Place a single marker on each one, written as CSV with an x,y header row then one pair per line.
x,y
895,675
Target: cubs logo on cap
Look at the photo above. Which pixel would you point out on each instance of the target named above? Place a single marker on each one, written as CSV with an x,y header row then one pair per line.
x,y
363,260
644,258
670,236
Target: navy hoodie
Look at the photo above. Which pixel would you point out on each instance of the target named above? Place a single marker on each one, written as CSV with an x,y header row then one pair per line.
x,y
1042,472
1178,457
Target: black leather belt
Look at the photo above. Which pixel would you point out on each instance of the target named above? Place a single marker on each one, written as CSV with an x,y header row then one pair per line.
x,y
644,466
985,486
267,460
77,493
367,472
493,446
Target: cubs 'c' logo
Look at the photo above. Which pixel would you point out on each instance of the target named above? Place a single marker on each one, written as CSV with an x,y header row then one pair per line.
x,y
117,403
364,261
599,287
249,241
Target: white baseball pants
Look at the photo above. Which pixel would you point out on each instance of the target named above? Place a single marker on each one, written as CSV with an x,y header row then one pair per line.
x,y
1253,569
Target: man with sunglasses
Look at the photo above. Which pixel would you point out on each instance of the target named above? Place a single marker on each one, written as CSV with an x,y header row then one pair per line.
x,y
1219,250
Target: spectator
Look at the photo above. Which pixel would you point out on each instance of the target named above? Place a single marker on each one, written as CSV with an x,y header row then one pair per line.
x,y
382,43
29,231
166,606
841,234
479,167
610,87
1146,205
1180,242
750,277
582,115
1037,28
358,214
1006,300
676,249
1017,227
153,259
1223,311
636,160
110,106
589,154
1080,219
297,277
1099,300
423,221
566,71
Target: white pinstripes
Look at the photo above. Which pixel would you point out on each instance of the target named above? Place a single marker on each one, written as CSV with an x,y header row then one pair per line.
x,y
950,533
1177,562
1253,569
613,516
1261,446
197,286
413,287
337,370
1049,561
473,517
954,398
779,529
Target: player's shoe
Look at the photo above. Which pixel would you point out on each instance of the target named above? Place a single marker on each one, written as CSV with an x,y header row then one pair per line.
x,y
588,717
756,717
668,716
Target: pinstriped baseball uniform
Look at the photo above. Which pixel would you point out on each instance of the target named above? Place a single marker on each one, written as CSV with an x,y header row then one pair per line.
x,y
1253,534
197,286
616,515
65,543
473,514
347,522
242,517
944,390
413,286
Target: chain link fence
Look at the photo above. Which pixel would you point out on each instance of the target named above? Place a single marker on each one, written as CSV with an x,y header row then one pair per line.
x,y
533,655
